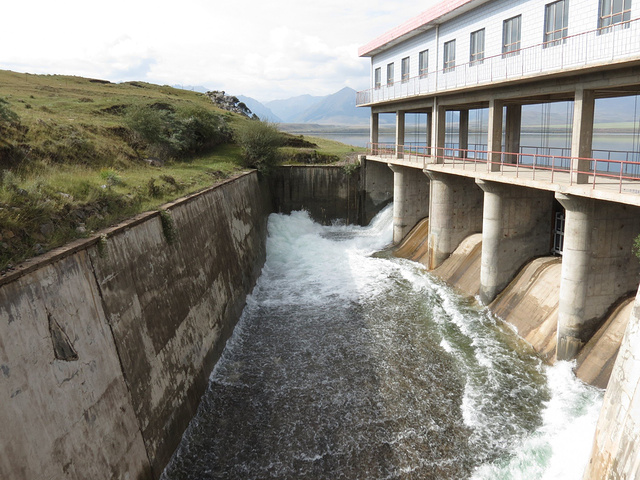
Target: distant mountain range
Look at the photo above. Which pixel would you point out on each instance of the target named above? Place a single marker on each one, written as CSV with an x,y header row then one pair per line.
x,y
336,109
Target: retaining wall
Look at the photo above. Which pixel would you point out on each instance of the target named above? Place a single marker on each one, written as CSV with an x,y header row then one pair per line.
x,y
106,347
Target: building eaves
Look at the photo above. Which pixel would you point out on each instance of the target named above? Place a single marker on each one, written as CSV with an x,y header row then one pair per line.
x,y
426,20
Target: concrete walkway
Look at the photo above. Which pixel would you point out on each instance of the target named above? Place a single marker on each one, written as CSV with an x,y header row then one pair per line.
x,y
603,188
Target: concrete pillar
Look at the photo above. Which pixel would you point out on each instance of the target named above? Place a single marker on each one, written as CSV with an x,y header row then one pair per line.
x,y
429,128
494,140
512,133
376,187
374,132
455,212
582,134
438,130
597,266
516,226
463,133
410,199
400,117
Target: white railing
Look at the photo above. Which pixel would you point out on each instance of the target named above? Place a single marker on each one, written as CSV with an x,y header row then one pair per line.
x,y
617,43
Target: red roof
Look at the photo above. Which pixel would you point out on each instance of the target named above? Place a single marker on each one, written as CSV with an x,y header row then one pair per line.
x,y
424,19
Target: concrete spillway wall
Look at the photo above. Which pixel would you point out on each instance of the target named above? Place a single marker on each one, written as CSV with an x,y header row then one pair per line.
x,y
529,302
106,346
616,447
326,192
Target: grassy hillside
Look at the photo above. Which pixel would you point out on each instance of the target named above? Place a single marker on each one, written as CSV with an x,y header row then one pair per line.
x,y
73,161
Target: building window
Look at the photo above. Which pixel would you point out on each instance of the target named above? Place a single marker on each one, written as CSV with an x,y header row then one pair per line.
x,y
405,69
377,77
613,12
477,47
449,62
423,63
556,22
390,74
511,36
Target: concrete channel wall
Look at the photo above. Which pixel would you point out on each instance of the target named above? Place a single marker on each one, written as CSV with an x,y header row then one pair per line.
x,y
106,344
616,451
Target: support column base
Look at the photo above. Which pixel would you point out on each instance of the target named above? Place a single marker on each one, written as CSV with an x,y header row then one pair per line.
x,y
568,347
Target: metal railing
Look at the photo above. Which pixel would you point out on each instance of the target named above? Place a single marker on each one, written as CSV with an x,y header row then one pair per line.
x,y
529,161
592,48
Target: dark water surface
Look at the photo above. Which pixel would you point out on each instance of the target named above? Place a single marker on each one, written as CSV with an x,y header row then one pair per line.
x,y
355,365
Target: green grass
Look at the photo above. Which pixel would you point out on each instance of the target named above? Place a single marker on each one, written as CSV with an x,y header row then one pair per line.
x,y
71,168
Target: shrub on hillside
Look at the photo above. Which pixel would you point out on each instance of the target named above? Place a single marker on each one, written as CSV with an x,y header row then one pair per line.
x,y
259,142
196,130
6,114
165,132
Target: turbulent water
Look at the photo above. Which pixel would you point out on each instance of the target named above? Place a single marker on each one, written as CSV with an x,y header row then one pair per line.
x,y
351,364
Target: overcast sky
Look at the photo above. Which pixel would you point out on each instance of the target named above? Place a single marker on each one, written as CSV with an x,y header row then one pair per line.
x,y
263,49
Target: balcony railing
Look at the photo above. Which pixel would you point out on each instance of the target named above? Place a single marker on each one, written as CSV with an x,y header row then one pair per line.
x,y
612,44
616,170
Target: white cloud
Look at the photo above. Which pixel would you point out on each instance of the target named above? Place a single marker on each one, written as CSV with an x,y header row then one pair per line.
x,y
265,50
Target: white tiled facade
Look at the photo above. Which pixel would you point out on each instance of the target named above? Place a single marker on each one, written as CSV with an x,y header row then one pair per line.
x,y
578,50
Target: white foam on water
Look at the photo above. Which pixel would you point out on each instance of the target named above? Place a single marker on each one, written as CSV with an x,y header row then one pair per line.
x,y
524,419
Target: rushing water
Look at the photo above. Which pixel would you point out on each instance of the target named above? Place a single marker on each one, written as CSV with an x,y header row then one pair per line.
x,y
353,364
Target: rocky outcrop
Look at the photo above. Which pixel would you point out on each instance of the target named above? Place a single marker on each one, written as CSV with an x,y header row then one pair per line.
x,y
230,103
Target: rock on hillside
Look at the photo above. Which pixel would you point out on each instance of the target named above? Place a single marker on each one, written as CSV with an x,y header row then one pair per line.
x,y
230,103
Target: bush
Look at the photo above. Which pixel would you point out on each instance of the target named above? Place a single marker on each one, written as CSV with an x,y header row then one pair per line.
x,y
259,142
164,132
6,114
635,249
196,130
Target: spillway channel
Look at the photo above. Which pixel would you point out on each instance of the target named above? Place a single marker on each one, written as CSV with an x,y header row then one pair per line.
x,y
349,363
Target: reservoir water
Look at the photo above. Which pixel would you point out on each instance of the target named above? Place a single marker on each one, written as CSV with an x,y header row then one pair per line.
x,y
348,363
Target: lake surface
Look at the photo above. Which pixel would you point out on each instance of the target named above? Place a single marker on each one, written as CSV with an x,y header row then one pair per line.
x,y
348,363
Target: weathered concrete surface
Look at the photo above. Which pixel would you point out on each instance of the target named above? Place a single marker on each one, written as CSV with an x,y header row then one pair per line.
x,y
615,453
105,350
415,246
63,419
455,213
410,199
462,268
376,183
530,304
594,363
516,227
598,267
172,306
328,193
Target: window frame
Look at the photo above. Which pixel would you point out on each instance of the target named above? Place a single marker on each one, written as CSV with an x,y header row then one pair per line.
x,y
390,74
607,20
405,69
556,36
509,46
423,63
448,60
476,39
377,78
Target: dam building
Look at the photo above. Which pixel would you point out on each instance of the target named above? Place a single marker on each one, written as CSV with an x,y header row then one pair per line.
x,y
492,60
474,70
